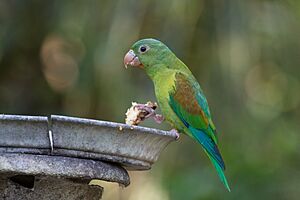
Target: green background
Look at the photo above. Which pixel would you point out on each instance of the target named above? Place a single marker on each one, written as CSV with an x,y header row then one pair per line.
x,y
66,57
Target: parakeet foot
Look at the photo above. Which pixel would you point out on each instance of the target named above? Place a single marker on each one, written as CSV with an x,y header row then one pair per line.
x,y
139,112
149,108
174,131
158,118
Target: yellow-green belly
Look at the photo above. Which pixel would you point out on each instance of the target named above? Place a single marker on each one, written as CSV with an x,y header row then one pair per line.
x,y
163,87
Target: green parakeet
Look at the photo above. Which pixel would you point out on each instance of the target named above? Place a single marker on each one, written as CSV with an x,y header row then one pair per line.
x,y
179,96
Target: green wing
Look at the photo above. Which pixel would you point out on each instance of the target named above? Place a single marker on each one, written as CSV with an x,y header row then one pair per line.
x,y
190,105
188,100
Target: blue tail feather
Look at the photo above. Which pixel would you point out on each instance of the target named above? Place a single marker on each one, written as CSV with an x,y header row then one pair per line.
x,y
209,145
213,153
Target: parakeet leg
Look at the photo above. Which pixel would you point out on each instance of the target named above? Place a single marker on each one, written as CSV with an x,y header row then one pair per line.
x,y
176,133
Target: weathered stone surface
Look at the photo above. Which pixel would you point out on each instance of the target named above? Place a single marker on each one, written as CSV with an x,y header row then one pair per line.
x,y
64,167
28,132
134,147
82,148
42,177
48,188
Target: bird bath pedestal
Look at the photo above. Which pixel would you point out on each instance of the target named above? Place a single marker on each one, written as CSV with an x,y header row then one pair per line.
x,y
56,157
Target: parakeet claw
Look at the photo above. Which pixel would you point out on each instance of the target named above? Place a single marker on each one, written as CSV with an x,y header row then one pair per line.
x,y
151,112
158,118
174,131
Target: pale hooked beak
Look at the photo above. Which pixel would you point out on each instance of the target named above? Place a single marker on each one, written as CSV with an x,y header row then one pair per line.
x,y
131,59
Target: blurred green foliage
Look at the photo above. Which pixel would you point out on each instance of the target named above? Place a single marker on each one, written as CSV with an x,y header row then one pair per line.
x,y
66,57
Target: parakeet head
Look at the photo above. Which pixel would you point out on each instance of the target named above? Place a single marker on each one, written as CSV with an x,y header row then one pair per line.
x,y
146,53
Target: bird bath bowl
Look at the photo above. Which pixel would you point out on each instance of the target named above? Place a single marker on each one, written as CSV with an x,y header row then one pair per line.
x,y
76,148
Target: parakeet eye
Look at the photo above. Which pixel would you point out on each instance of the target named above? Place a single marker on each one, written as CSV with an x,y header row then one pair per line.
x,y
144,48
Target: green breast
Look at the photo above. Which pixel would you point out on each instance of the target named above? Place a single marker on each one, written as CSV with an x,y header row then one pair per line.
x,y
163,85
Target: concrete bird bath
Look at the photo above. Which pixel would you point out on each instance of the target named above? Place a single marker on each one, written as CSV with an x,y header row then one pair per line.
x,y
56,157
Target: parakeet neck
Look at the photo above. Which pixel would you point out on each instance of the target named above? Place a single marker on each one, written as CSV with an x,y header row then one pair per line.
x,y
162,69
158,72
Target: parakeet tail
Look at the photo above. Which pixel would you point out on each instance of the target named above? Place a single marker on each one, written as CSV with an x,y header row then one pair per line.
x,y
213,153
220,173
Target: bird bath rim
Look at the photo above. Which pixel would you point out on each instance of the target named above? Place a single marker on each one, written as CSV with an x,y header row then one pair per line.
x,y
134,147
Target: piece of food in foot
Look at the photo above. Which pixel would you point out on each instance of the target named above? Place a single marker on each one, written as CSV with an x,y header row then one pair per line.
x,y
139,112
